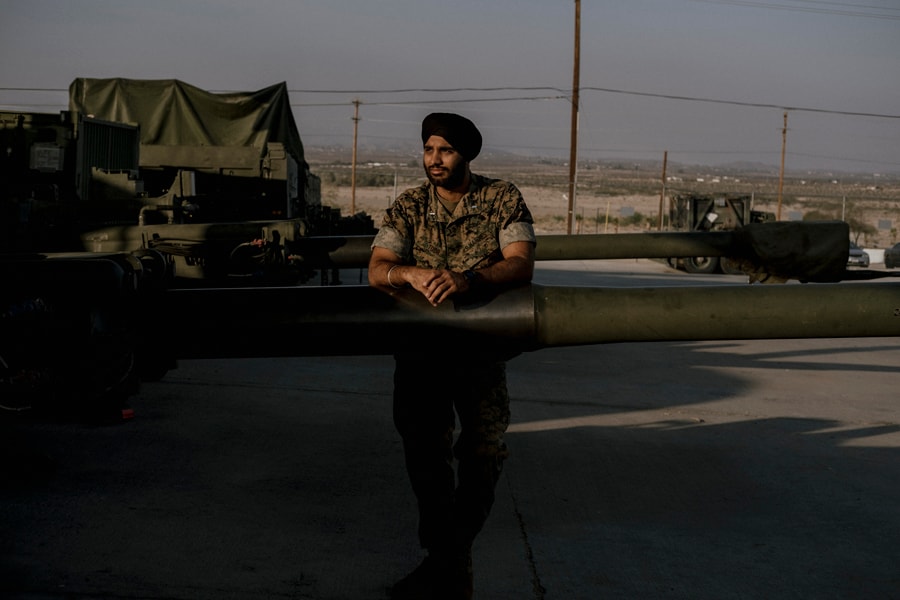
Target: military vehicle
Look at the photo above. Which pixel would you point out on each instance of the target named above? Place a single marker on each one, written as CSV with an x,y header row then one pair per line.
x,y
694,212
218,182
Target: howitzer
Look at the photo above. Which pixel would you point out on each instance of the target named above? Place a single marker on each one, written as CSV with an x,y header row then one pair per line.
x,y
90,325
353,251
356,320
812,251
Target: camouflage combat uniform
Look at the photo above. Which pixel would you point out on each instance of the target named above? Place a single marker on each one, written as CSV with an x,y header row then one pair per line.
x,y
429,385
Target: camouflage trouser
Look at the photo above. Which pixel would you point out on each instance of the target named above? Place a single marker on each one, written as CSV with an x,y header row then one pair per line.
x,y
451,512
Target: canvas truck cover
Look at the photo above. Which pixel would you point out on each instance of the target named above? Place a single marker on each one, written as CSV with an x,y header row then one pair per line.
x,y
184,126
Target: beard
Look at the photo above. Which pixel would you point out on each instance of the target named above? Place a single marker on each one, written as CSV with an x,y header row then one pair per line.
x,y
450,179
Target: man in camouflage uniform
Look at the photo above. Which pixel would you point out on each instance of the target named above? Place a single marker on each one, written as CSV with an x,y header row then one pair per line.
x,y
458,234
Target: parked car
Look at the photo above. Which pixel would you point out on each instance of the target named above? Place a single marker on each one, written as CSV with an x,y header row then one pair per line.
x,y
858,257
892,257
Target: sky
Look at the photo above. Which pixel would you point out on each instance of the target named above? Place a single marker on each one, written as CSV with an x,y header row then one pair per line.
x,y
705,81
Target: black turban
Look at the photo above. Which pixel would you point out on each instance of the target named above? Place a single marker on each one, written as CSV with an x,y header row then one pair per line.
x,y
458,130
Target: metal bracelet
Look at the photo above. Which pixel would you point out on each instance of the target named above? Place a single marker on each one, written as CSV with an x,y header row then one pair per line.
x,y
391,283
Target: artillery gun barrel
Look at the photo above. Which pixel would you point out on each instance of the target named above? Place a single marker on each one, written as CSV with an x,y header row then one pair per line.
x,y
635,245
258,322
763,243
574,316
354,251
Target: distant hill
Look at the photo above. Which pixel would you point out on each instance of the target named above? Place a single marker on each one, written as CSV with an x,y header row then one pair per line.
x,y
404,154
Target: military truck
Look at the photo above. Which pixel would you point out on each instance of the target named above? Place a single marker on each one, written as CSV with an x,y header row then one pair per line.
x,y
216,182
693,212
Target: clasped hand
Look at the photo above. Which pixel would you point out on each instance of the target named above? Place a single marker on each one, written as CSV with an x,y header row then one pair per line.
x,y
439,284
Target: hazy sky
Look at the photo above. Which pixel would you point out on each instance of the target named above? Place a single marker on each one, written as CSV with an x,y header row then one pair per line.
x,y
705,80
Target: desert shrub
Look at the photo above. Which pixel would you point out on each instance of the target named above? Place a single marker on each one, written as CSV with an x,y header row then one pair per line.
x,y
363,178
636,219
369,179
819,215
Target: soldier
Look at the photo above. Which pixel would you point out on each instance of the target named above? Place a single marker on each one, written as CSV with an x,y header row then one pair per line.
x,y
458,234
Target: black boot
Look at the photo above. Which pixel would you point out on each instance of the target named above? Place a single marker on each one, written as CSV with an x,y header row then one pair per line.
x,y
460,584
421,584
438,577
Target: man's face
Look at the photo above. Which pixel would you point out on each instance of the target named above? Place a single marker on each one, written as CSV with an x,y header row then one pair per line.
x,y
444,166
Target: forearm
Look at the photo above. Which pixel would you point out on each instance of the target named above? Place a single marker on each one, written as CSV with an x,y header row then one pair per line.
x,y
512,270
385,273
517,266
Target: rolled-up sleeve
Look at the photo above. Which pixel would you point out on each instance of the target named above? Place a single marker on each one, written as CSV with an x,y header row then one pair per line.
x,y
517,223
390,238
518,231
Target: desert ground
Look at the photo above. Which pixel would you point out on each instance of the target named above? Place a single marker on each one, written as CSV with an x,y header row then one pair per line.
x,y
618,197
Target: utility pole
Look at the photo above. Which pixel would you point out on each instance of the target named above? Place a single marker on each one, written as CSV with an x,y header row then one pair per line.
x,y
662,190
353,164
781,176
573,146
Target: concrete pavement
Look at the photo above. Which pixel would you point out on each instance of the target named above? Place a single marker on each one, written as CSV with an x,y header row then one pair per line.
x,y
750,469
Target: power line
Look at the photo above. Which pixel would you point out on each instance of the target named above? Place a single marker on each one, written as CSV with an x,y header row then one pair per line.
x,y
454,101
852,10
741,103
564,94
434,90
850,5
604,90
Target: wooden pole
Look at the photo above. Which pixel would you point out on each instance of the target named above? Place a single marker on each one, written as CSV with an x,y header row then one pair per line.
x,y
662,191
353,164
573,145
781,175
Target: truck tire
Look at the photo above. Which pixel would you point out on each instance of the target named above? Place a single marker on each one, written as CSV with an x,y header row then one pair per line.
x,y
730,266
701,264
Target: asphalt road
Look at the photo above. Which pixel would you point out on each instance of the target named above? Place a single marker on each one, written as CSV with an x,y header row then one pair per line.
x,y
701,470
